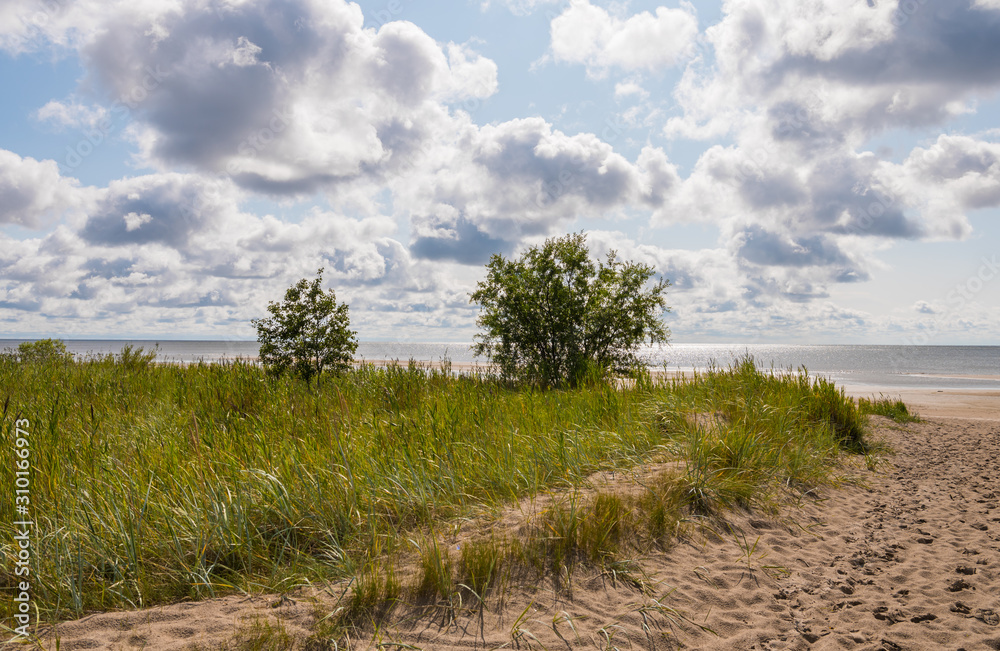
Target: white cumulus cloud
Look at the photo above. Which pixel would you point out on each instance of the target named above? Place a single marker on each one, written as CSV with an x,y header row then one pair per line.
x,y
33,193
589,35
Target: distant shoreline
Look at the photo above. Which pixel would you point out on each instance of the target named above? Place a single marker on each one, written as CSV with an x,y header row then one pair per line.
x,y
872,368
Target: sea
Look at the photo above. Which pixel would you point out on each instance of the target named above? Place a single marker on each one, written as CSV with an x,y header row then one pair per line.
x,y
881,367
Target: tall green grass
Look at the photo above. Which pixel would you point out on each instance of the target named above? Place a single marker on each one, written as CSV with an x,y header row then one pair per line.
x,y
890,408
154,483
744,433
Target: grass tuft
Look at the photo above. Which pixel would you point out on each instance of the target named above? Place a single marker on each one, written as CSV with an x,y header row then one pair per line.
x,y
883,406
435,578
482,564
262,635
375,591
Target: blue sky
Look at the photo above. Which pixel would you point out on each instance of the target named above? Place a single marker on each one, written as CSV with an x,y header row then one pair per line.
x,y
822,172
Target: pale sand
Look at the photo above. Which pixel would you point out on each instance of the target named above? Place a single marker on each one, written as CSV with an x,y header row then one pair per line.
x,y
910,560
945,403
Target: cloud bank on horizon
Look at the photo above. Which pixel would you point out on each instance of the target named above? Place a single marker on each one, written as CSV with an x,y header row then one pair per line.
x,y
769,158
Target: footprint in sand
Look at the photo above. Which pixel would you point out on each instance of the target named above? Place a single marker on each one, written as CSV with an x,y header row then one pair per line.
x,y
923,618
988,616
181,632
960,585
80,644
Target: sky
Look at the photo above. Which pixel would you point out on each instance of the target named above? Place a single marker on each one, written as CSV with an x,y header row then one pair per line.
x,y
822,172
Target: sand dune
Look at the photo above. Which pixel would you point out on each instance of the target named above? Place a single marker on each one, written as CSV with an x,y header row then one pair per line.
x,y
909,558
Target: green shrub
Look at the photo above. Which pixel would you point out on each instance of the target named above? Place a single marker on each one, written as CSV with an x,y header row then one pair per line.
x,y
43,351
307,333
883,406
554,318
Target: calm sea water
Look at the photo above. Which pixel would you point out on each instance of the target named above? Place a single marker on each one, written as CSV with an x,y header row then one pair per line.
x,y
970,367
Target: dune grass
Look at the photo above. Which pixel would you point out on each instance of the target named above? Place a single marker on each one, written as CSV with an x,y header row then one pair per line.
x,y
889,407
155,483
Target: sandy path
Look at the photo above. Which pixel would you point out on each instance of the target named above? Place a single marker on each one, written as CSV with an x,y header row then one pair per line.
x,y
911,560
943,403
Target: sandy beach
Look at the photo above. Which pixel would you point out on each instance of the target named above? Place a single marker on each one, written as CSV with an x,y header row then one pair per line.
x,y
905,557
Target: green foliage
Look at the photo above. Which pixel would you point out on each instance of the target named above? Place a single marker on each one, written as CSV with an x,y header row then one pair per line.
x,y
307,333
135,359
261,635
435,578
743,433
376,590
827,403
183,482
481,564
883,406
43,351
554,317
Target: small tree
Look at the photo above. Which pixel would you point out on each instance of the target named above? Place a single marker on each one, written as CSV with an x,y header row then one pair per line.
x,y
306,333
553,315
43,351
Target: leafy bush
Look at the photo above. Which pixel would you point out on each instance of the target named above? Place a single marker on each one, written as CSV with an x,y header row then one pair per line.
x,y
554,317
136,358
43,351
307,333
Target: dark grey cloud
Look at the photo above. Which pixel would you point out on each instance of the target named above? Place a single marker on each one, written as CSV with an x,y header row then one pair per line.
x,y
761,290
585,168
194,88
844,187
465,244
715,308
680,277
801,87
763,247
949,42
284,96
108,268
25,305
214,298
964,171
772,189
798,121
938,51
519,179
165,210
